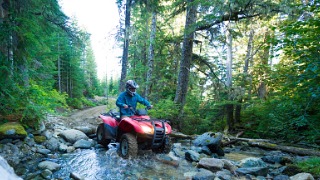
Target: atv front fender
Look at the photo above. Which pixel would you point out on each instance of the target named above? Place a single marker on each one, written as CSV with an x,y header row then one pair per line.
x,y
128,125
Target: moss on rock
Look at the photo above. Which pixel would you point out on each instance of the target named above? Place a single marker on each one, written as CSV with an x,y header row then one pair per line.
x,y
39,139
12,130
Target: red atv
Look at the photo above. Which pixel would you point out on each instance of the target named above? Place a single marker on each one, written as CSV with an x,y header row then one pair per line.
x,y
134,133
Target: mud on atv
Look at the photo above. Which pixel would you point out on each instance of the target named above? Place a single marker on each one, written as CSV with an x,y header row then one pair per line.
x,y
137,132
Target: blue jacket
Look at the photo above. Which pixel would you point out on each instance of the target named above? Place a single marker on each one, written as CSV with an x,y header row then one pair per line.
x,y
126,99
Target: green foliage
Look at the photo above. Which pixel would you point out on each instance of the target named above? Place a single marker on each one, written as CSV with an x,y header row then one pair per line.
x,y
165,109
311,165
36,101
283,118
87,103
43,61
192,121
75,103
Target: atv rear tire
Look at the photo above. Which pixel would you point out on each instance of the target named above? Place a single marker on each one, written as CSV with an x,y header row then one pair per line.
x,y
128,146
165,147
101,136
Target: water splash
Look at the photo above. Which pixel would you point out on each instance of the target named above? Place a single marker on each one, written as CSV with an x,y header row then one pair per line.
x,y
102,164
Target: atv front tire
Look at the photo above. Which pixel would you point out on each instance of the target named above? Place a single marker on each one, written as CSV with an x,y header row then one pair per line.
x,y
128,146
165,147
101,136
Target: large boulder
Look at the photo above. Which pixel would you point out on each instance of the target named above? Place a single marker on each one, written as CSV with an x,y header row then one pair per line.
x,y
302,176
73,135
211,164
12,130
211,140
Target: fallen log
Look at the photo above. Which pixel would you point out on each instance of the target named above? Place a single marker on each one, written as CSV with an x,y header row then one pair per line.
x,y
233,140
173,163
249,140
289,149
179,135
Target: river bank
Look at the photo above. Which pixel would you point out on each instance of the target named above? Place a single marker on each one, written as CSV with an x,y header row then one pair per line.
x,y
66,148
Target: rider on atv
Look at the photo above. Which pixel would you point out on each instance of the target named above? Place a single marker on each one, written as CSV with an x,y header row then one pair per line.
x,y
129,99
136,131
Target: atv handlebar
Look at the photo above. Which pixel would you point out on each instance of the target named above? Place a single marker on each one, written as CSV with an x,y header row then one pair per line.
x,y
135,111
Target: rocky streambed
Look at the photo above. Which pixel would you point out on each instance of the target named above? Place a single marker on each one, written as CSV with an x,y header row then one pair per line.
x,y
66,148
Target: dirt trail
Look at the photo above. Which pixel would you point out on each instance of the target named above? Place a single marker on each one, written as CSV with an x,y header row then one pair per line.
x,y
87,117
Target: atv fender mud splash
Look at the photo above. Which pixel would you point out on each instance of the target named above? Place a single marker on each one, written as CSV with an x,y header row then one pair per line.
x,y
110,126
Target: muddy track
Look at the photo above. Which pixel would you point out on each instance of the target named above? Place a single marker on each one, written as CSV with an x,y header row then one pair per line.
x,y
86,117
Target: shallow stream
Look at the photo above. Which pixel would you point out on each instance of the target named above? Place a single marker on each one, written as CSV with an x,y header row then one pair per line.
x,y
102,164
106,164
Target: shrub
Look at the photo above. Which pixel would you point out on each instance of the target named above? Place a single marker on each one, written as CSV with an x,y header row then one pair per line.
x,y
311,166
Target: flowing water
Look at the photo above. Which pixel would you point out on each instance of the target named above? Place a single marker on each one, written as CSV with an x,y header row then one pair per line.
x,y
102,164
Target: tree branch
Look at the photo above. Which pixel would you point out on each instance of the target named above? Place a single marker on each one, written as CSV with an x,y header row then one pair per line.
x,y
227,17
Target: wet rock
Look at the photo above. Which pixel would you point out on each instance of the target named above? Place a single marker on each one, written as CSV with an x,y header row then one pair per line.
x,y
210,140
76,176
85,129
7,171
211,164
52,166
224,175
73,135
192,156
189,175
302,176
277,171
178,152
46,174
63,147
12,130
206,150
252,162
173,156
83,144
257,171
281,177
229,166
29,141
52,144
70,149
48,134
271,159
40,139
203,174
5,141
274,157
43,151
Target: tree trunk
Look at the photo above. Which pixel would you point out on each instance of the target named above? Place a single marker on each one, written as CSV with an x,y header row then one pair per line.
x,y
229,107
237,114
59,65
151,53
187,47
229,55
245,76
262,88
125,47
249,54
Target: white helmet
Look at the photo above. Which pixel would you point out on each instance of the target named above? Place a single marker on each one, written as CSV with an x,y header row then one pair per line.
x,y
131,87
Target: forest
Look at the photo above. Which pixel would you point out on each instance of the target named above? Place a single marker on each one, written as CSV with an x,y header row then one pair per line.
x,y
206,65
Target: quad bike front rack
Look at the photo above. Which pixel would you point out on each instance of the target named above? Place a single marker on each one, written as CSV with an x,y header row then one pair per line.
x,y
159,135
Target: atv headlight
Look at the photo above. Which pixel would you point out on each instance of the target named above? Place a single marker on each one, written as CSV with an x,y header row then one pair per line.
x,y
147,130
